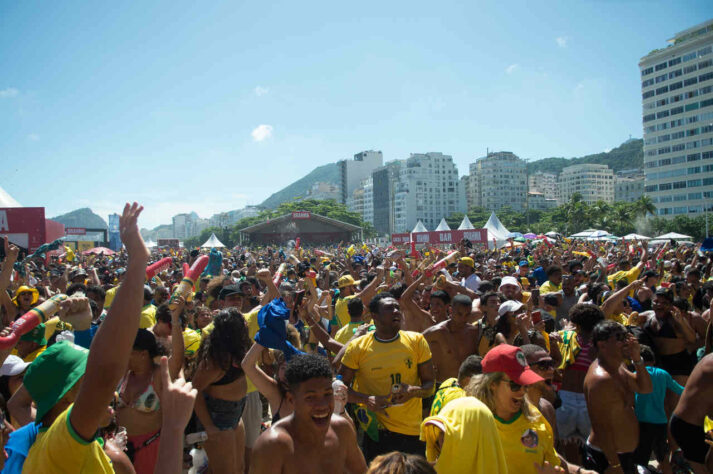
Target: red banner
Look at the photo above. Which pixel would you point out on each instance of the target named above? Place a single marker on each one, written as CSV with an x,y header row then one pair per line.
x,y
442,237
24,226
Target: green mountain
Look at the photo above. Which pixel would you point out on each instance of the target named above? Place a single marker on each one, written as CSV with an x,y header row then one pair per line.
x,y
328,173
163,231
628,155
83,217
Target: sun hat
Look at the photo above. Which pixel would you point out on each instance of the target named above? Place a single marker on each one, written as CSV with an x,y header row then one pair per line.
x,y
346,280
512,361
53,373
13,365
25,289
509,306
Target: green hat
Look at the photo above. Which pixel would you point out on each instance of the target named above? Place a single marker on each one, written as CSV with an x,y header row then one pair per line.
x,y
53,373
37,335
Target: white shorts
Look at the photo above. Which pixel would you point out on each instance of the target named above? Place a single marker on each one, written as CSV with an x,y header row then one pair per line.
x,y
252,418
572,416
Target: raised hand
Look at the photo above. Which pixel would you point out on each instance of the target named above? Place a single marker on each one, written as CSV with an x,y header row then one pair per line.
x,y
129,232
11,251
77,312
177,399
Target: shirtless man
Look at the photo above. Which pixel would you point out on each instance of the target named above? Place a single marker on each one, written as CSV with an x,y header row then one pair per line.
x,y
609,390
415,317
671,334
310,440
687,421
452,340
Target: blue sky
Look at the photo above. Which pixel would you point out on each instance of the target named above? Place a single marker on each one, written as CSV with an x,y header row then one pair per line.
x,y
209,106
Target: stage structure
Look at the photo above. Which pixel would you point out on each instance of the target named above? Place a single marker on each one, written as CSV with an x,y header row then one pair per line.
x,y
310,228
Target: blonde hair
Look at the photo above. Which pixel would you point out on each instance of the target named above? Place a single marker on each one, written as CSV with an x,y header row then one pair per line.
x,y
400,463
481,387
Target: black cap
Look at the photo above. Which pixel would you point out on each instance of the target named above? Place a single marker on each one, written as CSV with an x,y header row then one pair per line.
x,y
230,290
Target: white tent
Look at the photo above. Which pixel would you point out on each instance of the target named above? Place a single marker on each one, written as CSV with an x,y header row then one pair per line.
x,y
590,233
635,237
496,230
419,227
151,244
674,236
6,200
443,225
212,242
465,224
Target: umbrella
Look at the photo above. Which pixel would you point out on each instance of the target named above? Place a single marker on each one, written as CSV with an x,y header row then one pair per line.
x,y
513,235
635,237
519,239
674,236
530,236
98,250
552,234
598,233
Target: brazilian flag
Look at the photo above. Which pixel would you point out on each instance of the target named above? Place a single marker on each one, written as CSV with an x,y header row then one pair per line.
x,y
368,422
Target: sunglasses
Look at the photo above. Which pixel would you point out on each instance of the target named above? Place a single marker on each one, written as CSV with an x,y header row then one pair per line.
x,y
545,364
515,387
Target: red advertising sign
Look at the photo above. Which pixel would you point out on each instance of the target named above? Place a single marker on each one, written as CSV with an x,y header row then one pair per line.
x,y
24,226
442,237
75,231
301,215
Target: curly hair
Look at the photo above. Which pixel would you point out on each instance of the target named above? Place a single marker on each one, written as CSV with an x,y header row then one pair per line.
x,y
215,285
400,463
228,342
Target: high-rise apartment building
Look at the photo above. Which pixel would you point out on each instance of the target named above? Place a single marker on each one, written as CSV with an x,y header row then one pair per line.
x,y
544,183
362,200
628,185
352,172
188,225
593,182
384,181
498,180
428,189
677,101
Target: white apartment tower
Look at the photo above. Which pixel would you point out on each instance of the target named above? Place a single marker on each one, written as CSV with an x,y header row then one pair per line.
x,y
498,180
677,100
544,183
427,189
593,182
352,172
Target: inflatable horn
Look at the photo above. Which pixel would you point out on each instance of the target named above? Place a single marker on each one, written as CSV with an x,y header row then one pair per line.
x,y
189,278
30,320
157,267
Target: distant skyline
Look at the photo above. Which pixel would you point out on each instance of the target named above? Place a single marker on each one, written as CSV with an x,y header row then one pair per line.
x,y
211,107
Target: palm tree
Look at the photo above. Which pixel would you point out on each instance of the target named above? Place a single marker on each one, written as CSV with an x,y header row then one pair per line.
x,y
645,206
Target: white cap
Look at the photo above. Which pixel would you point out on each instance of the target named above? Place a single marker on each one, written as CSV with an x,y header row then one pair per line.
x,y
509,280
510,306
13,365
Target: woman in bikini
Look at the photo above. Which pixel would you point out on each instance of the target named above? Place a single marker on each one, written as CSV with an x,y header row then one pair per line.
x,y
222,386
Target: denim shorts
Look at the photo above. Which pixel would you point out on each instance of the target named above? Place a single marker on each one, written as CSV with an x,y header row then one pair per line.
x,y
225,414
572,416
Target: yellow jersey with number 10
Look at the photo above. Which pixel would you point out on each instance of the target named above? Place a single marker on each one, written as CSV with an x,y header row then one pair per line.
x,y
379,365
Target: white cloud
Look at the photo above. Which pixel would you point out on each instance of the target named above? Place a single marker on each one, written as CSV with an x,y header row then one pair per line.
x,y
261,132
9,92
562,41
33,137
260,91
512,68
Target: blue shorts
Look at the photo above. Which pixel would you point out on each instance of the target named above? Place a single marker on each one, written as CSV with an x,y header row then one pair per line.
x,y
225,414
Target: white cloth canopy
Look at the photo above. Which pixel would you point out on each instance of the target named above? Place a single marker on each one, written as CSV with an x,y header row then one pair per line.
x,y
590,233
151,244
496,230
674,236
212,242
465,224
419,227
6,200
635,237
443,225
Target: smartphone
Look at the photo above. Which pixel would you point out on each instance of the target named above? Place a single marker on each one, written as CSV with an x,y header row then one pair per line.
x,y
536,317
299,295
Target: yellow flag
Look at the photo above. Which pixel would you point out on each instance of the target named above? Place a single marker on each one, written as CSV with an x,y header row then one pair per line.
x,y
351,251
70,253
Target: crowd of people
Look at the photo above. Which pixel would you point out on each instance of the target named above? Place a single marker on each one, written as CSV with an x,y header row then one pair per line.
x,y
557,356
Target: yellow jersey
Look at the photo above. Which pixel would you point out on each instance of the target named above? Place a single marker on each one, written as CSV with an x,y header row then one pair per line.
x,y
629,276
346,332
448,391
148,317
549,287
60,449
380,365
341,312
109,299
527,442
471,444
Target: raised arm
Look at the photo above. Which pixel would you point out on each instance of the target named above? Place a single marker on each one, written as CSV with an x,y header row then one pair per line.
x,y
370,291
640,381
263,382
410,306
272,292
609,306
118,331
175,362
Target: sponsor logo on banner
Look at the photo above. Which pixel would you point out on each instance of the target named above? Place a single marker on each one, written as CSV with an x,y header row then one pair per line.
x,y
301,215
442,237
75,231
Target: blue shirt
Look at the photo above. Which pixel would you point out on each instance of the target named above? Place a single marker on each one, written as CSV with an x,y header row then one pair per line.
x,y
649,407
17,447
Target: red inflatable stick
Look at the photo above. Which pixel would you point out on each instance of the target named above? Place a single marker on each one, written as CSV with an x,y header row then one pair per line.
x,y
280,273
297,243
30,320
414,253
157,267
442,263
189,278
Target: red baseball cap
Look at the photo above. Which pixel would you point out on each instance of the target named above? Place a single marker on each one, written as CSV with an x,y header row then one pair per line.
x,y
512,361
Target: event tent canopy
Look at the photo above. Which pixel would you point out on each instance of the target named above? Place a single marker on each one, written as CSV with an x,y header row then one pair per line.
x,y
6,200
465,224
98,250
635,237
496,230
419,227
212,242
674,236
443,225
